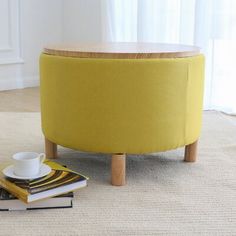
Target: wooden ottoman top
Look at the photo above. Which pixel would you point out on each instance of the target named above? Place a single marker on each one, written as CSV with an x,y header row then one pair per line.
x,y
123,50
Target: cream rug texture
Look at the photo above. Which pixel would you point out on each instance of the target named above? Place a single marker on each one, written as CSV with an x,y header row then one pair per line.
x,y
163,195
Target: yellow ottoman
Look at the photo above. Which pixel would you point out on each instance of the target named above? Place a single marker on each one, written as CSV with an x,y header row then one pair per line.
x,y
122,98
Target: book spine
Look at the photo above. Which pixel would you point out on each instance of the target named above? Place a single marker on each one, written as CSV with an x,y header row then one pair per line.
x,y
14,190
37,208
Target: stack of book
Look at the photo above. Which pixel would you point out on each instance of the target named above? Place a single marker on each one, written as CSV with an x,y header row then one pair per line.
x,y
52,191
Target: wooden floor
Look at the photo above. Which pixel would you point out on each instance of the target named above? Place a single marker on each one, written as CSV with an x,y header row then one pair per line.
x,y
20,100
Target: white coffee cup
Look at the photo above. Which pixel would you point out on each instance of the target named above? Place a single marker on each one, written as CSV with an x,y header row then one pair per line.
x,y
27,164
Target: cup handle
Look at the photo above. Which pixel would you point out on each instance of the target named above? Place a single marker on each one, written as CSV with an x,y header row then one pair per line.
x,y
42,157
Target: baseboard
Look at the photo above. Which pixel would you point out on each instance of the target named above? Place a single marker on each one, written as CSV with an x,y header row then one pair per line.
x,y
19,82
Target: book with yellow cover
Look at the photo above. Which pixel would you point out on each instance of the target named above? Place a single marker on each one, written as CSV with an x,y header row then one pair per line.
x,y
60,180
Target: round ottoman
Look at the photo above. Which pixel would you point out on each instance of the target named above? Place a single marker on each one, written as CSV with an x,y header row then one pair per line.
x,y
122,98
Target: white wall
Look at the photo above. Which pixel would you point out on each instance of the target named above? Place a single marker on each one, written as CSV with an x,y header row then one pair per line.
x,y
82,21
33,24
26,26
41,24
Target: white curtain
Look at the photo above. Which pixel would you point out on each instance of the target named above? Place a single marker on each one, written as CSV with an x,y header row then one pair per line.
x,y
209,24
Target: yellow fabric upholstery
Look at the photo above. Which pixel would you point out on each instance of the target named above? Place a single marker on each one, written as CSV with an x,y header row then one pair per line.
x,y
121,105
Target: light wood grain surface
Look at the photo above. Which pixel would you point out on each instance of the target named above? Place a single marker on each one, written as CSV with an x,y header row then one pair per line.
x,y
118,169
123,50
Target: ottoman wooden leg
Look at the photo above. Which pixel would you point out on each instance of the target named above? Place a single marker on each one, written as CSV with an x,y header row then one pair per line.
x,y
50,149
190,154
118,169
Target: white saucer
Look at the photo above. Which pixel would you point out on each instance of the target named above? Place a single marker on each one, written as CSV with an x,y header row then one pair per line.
x,y
44,170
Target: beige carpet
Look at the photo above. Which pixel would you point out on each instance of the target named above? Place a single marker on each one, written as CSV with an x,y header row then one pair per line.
x,y
163,195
